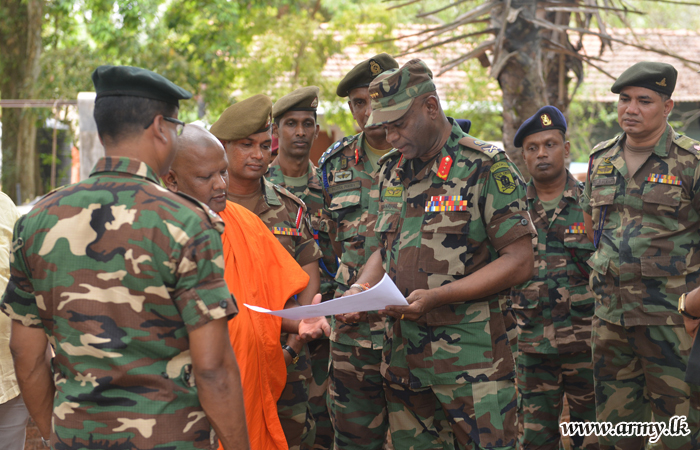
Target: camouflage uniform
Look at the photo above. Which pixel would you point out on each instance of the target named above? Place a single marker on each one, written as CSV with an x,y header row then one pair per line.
x,y
319,349
554,311
435,231
286,216
647,256
117,271
357,401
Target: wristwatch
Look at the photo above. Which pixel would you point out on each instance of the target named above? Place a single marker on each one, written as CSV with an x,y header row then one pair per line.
x,y
292,353
681,308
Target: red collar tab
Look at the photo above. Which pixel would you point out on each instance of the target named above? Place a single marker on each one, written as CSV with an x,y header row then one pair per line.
x,y
445,166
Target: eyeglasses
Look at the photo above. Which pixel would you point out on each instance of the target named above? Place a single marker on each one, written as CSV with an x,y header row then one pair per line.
x,y
179,124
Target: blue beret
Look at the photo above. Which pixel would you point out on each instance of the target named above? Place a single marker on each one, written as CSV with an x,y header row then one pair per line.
x,y
464,124
547,118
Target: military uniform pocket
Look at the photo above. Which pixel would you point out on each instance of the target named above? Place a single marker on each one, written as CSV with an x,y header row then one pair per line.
x,y
527,308
455,313
602,199
661,203
443,249
579,249
345,209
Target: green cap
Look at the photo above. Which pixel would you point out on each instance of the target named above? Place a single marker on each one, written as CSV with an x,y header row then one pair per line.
x,y
136,82
243,119
303,99
393,91
659,77
362,74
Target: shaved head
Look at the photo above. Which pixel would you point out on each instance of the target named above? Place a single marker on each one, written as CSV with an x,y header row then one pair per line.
x,y
200,168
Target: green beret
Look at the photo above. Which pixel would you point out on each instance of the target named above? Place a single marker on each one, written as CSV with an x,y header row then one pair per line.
x,y
362,74
393,91
303,99
136,82
659,77
243,119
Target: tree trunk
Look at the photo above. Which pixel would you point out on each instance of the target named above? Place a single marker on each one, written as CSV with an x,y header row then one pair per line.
x,y
20,40
520,77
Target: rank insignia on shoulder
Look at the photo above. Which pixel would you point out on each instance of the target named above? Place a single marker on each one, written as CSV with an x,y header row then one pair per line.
x,y
345,175
440,203
576,228
343,163
285,231
394,191
664,179
444,169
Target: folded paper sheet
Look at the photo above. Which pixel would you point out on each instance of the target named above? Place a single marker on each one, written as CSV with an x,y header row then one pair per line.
x,y
377,297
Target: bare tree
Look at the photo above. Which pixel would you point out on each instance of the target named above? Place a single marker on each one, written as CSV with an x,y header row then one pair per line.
x,y
527,46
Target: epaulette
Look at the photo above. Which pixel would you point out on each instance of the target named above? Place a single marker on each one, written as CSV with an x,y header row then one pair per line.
x,y
387,156
216,221
606,144
286,193
335,148
481,146
688,144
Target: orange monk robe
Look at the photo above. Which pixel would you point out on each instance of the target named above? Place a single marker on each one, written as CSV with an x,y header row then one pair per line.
x,y
259,271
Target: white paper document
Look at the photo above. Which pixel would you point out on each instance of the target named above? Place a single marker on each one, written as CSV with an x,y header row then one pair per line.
x,y
377,297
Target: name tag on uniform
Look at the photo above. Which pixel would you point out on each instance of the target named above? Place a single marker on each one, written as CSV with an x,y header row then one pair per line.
x,y
606,181
344,187
576,228
664,179
285,231
440,203
394,191
345,175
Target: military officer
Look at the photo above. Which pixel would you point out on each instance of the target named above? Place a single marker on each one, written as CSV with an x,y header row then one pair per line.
x,y
357,402
554,309
454,232
643,214
124,279
245,130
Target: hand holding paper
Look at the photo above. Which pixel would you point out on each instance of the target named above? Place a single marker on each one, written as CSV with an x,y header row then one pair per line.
x,y
377,297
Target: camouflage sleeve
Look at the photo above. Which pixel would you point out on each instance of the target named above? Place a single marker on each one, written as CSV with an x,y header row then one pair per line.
x,y
306,251
585,199
696,189
200,293
19,301
504,207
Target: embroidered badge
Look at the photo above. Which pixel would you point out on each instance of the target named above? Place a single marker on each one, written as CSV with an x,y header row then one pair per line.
x,y
285,231
662,82
546,121
605,181
664,179
374,67
394,191
440,203
345,175
314,103
343,162
604,169
344,187
444,169
576,228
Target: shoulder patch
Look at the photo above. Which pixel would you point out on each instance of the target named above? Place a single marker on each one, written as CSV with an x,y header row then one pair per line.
x,y
387,156
606,144
335,148
481,146
688,144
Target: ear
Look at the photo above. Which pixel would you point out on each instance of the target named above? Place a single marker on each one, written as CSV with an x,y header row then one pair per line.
x,y
668,107
160,130
567,147
432,106
275,130
170,180
350,106
318,128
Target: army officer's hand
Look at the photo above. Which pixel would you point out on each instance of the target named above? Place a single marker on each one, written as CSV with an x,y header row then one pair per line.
x,y
420,303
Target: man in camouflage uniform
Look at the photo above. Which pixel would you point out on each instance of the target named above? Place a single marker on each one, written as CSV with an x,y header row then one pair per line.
x,y
454,233
296,129
126,280
356,388
555,308
642,210
245,131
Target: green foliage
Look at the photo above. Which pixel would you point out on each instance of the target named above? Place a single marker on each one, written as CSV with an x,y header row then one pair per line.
x,y
588,124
